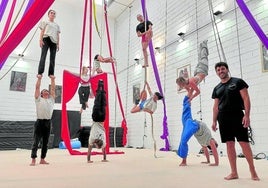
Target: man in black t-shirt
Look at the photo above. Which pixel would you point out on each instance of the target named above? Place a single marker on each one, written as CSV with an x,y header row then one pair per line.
x,y
232,111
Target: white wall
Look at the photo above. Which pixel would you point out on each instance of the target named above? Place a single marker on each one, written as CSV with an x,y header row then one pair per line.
x,y
240,43
241,47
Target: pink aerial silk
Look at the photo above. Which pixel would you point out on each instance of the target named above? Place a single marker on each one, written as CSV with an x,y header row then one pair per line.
x,y
32,16
8,21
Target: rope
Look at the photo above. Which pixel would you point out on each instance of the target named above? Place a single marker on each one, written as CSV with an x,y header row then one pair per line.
x,y
152,121
145,77
21,53
197,46
213,21
250,136
238,41
260,156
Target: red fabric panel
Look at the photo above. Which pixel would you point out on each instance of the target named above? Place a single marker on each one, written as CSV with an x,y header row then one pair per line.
x,y
32,16
70,85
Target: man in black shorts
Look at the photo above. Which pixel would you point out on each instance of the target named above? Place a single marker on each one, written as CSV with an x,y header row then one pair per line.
x,y
232,110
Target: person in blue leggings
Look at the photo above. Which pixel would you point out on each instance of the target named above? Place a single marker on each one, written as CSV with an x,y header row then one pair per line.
x,y
190,127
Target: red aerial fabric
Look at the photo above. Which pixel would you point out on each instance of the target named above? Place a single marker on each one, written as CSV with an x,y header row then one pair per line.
x,y
123,123
70,85
32,16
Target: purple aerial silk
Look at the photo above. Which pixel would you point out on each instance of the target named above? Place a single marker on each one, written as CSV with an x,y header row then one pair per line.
x,y
30,2
3,8
164,136
253,22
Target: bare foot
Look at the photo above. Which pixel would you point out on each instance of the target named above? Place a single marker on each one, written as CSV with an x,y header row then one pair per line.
x,y
42,161
214,164
33,162
231,177
183,163
254,176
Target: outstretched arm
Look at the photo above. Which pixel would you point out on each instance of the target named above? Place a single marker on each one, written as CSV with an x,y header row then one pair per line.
x,y
105,59
214,152
205,149
194,88
53,86
37,86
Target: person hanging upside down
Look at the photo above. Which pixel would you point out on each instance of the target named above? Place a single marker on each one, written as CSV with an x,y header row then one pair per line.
x,y
201,71
97,135
146,35
147,105
199,130
99,59
84,89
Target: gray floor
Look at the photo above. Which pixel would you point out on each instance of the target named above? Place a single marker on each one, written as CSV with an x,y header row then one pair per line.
x,y
136,168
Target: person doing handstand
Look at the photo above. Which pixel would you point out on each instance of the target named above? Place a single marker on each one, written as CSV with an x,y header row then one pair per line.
x,y
201,71
199,130
97,135
147,105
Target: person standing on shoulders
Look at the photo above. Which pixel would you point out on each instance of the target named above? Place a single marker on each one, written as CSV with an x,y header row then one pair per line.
x,y
49,39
